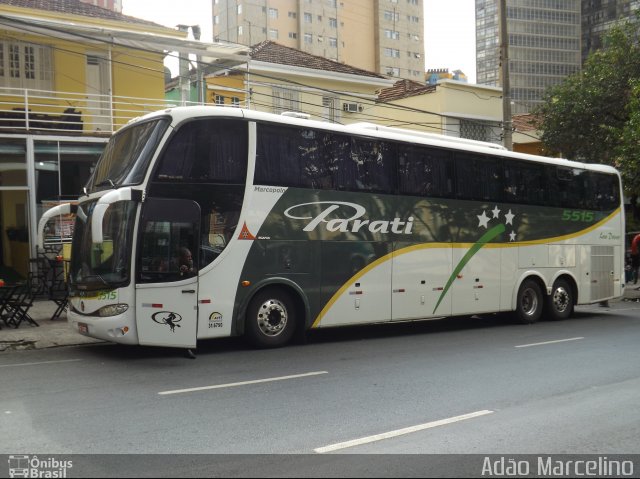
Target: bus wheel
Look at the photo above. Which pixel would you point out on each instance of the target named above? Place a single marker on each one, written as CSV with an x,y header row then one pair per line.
x,y
270,320
530,302
560,302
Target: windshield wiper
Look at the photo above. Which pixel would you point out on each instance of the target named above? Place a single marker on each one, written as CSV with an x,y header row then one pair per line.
x,y
90,279
106,182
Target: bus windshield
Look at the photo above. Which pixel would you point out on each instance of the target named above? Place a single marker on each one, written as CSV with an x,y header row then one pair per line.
x,y
127,155
98,266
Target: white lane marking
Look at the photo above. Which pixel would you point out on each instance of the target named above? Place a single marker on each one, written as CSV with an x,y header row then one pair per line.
x,y
399,432
36,364
549,342
242,383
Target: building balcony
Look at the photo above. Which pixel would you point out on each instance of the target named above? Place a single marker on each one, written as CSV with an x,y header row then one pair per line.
x,y
68,113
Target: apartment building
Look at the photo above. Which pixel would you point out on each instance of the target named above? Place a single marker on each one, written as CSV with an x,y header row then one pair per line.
x,y
544,46
598,16
383,36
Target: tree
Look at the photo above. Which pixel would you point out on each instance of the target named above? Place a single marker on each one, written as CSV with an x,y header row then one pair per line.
x,y
594,115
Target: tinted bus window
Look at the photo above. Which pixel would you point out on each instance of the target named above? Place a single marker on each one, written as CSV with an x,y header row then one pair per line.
x,y
604,191
374,162
290,156
524,183
211,151
478,177
425,171
566,186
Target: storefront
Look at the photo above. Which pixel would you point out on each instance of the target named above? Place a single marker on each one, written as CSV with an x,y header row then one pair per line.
x,y
37,173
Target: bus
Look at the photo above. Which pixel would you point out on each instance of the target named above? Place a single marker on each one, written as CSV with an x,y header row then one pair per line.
x,y
294,224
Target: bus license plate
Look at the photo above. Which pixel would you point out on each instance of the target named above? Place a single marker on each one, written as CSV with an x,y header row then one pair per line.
x,y
83,328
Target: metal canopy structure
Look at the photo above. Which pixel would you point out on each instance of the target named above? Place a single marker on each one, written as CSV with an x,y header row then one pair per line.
x,y
219,54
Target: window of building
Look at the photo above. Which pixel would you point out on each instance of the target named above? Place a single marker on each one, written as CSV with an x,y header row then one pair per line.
x,y
13,163
392,34
308,18
285,99
391,16
25,65
392,52
330,108
273,13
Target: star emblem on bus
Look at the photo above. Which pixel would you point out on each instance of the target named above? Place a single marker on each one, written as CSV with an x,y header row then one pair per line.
x,y
483,222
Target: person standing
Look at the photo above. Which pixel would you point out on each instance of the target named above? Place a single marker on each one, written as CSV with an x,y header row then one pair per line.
x,y
635,257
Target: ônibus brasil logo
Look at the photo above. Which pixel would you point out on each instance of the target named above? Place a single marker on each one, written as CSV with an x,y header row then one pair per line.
x,y
352,224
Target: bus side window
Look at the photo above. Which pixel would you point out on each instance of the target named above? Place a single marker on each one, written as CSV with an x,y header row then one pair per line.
x,y
220,215
162,242
424,171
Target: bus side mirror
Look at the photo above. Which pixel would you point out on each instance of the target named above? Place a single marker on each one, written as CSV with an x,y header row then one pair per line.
x,y
63,209
122,194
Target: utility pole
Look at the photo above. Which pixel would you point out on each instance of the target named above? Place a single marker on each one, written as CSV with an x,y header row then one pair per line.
x,y
183,71
195,29
504,64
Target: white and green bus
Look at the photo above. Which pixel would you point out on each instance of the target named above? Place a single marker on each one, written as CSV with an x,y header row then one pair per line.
x,y
296,224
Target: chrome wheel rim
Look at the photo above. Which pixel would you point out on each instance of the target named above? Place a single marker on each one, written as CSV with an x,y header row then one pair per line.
x,y
560,299
272,317
529,302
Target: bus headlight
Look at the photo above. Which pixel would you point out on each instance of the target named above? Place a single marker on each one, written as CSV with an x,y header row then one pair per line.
x,y
112,310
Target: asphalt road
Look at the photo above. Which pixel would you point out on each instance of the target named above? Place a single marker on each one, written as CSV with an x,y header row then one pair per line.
x,y
458,386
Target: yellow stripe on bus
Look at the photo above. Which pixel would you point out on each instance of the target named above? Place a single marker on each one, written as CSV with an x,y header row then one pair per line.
x,y
417,247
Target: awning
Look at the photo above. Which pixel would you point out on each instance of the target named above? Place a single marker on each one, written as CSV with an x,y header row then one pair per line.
x,y
220,54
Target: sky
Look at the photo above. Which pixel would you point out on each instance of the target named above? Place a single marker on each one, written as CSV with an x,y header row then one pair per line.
x,y
449,27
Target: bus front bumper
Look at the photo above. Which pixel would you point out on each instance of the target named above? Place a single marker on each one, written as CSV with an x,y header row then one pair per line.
x,y
117,329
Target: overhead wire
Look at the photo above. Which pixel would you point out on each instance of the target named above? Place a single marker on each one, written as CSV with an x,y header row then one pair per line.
x,y
341,94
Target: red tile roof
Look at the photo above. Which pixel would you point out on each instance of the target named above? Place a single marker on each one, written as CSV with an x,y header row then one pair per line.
x,y
272,52
405,89
525,122
75,7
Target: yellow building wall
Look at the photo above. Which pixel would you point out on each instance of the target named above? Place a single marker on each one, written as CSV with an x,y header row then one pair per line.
x,y
227,86
426,112
14,253
132,73
309,97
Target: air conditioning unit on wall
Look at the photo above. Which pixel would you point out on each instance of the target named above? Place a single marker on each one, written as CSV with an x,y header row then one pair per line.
x,y
352,107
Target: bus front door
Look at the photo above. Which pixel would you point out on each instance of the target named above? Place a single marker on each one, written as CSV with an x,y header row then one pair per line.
x,y
167,279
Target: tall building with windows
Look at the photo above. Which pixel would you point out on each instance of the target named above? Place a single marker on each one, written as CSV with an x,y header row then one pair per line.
x,y
384,36
114,5
598,16
544,46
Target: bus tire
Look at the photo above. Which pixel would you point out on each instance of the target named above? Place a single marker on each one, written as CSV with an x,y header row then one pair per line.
x,y
530,302
271,318
560,302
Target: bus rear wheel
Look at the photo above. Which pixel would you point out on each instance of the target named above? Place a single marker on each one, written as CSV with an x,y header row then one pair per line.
x,y
560,302
271,318
530,302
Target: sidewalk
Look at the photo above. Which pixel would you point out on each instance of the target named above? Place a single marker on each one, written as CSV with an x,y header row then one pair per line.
x,y
56,333
48,335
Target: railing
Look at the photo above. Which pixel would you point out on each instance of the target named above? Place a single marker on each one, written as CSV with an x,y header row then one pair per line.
x,y
23,110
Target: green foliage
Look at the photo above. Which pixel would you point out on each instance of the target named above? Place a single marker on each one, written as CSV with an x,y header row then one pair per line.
x,y
594,115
